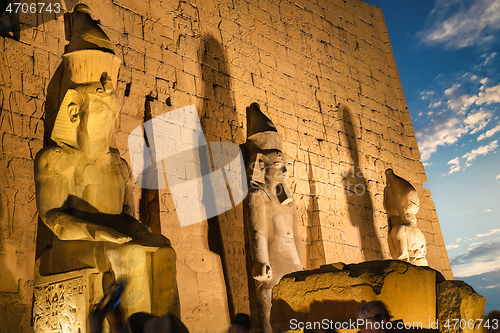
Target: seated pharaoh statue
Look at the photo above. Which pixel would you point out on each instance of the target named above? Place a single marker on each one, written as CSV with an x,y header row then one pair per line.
x,y
84,188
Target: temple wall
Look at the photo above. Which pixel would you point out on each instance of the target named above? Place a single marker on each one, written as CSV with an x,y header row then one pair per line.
x,y
322,70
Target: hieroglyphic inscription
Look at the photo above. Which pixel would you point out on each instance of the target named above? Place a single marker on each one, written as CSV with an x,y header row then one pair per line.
x,y
60,307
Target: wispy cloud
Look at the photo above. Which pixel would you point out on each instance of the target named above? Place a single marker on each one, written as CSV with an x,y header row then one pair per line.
x,y
497,177
488,251
461,23
470,157
448,132
454,165
458,105
489,133
481,259
489,95
453,169
452,246
492,232
483,150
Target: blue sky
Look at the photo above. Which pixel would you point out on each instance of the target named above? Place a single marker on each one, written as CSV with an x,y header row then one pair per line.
x,y
448,57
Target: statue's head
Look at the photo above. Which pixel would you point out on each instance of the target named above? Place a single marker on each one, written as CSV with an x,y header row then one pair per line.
x,y
268,164
87,115
88,111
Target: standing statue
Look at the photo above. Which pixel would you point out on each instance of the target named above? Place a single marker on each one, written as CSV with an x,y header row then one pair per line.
x,y
84,189
271,214
402,204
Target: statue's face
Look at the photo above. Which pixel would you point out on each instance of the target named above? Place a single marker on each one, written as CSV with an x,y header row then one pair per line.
x,y
96,114
275,167
97,117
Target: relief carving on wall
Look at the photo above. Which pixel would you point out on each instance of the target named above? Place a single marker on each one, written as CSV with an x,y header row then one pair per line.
x,y
57,306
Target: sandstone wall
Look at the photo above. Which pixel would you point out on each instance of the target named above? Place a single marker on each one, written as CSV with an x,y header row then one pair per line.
x,y
322,70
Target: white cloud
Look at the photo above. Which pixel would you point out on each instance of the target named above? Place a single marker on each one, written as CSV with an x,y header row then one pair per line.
x,y
483,150
449,131
462,23
489,95
441,134
454,169
497,177
454,161
482,259
477,121
452,90
435,105
488,58
492,232
483,82
487,211
461,102
475,268
489,133
452,246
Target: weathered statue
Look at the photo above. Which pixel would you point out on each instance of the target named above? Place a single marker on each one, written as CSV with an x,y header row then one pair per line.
x,y
84,189
402,204
271,215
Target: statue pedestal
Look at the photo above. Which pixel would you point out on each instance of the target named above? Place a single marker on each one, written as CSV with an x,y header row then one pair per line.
x,y
62,301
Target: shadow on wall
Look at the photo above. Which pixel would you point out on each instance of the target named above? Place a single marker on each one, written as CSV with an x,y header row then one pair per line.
x,y
149,204
220,124
7,248
359,202
316,254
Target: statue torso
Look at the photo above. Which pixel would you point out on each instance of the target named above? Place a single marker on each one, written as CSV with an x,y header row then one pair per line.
x,y
283,254
94,186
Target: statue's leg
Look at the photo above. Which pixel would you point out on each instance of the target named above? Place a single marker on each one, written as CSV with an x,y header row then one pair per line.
x,y
264,296
400,241
127,262
165,296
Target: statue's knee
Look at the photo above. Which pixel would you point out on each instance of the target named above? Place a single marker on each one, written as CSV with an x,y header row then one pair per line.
x,y
166,254
132,254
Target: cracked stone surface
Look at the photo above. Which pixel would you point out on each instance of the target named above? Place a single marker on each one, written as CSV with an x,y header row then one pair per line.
x,y
337,291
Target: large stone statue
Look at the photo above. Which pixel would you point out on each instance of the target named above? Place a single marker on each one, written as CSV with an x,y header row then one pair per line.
x,y
402,204
84,189
270,212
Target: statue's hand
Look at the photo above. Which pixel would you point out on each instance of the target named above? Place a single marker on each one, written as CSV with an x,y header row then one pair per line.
x,y
262,271
111,235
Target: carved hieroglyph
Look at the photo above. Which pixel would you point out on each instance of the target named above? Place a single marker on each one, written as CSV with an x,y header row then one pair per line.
x,y
401,203
58,305
271,214
84,188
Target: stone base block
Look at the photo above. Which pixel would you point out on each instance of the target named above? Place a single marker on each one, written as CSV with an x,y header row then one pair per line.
x,y
62,301
335,293
459,308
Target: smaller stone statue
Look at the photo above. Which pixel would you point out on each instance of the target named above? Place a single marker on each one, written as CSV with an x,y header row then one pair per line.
x,y
270,212
402,204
